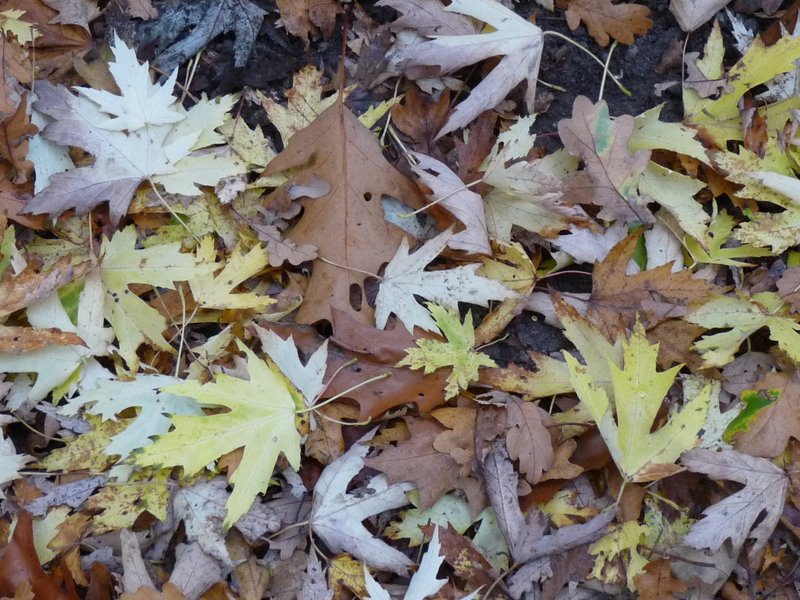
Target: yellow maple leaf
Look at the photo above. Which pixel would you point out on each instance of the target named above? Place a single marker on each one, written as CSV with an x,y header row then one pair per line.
x,y
261,419
626,419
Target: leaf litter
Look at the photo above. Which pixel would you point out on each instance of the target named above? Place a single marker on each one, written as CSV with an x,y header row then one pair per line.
x,y
234,353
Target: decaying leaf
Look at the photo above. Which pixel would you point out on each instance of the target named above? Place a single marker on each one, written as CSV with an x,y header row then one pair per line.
x,y
346,224
612,172
737,516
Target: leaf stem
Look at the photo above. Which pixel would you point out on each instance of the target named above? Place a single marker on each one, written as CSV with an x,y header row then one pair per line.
x,y
622,88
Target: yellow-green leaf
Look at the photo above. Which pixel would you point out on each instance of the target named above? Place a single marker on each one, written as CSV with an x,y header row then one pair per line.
x,y
457,352
260,418
638,392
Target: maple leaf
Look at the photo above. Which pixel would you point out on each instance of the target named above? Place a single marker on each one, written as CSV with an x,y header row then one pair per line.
x,y
304,103
306,378
527,193
215,291
190,27
132,319
161,150
347,224
111,397
10,462
744,316
720,118
739,516
261,419
623,540
336,515
638,392
57,365
719,251
458,352
655,294
517,40
404,278
612,171
604,19
423,583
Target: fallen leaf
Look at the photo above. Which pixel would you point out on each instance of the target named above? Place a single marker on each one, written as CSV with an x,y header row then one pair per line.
x,y
183,30
738,516
450,193
770,430
261,420
305,17
656,295
433,472
638,392
423,583
346,224
743,316
157,144
657,582
21,564
57,44
305,103
14,134
517,40
611,175
429,17
604,19
405,278
690,14
458,352
336,515
528,439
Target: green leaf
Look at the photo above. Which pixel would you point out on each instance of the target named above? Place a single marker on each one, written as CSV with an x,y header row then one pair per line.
x,y
261,419
457,352
718,252
754,402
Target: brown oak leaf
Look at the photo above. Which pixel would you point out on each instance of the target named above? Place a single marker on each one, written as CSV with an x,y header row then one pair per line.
x,y
604,19
347,224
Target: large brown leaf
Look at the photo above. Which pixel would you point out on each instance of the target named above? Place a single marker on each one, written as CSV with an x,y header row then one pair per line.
x,y
14,134
347,224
